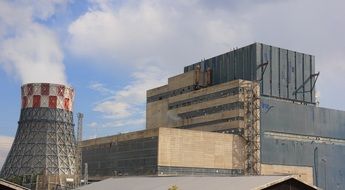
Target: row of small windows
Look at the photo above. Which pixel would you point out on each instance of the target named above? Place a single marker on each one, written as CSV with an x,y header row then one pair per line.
x,y
224,120
170,94
212,110
236,131
204,98
126,145
197,171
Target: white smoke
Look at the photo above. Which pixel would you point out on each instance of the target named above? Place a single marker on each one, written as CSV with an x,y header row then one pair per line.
x,y
29,50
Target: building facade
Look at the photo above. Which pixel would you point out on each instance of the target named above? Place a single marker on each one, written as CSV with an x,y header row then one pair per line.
x,y
164,151
261,95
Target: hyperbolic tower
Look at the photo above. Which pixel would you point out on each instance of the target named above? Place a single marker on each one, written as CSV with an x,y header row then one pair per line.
x,y
43,153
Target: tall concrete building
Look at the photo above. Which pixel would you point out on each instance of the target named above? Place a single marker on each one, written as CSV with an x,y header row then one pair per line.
x,y
259,98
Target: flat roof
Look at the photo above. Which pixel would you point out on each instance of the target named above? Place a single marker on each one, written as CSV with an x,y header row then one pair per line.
x,y
184,183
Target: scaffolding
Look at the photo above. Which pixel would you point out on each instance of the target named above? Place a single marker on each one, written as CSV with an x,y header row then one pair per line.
x,y
79,151
251,99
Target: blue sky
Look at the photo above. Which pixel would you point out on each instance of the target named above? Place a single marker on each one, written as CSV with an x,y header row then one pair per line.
x,y
111,52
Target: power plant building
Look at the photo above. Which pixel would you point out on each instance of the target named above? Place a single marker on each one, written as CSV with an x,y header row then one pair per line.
x,y
250,111
259,97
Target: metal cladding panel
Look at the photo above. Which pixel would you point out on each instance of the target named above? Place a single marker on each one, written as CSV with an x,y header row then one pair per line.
x,y
283,73
258,72
328,160
312,71
244,64
274,63
250,62
299,75
227,66
238,64
308,120
215,71
291,74
231,66
307,75
222,64
253,55
308,124
266,74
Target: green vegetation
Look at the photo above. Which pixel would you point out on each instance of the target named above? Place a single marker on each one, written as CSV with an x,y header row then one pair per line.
x,y
174,187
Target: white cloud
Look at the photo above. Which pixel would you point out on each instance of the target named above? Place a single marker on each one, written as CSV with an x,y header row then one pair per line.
x,y
29,50
169,35
126,106
101,88
172,34
5,146
123,102
114,108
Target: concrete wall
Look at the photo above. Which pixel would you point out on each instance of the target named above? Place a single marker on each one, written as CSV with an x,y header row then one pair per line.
x,y
160,114
187,148
166,151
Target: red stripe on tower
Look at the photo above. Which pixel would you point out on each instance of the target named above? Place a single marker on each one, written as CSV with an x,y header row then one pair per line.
x,y
46,95
52,101
24,102
36,101
66,103
44,89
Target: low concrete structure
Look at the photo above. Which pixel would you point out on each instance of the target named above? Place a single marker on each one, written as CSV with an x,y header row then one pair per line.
x,y
164,151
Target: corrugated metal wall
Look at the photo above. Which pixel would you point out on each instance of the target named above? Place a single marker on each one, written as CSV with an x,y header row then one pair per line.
x,y
285,72
294,119
132,157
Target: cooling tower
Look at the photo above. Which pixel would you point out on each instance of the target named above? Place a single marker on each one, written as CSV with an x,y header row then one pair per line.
x,y
44,149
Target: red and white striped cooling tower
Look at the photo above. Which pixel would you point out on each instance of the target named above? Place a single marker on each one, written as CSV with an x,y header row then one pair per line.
x,y
44,149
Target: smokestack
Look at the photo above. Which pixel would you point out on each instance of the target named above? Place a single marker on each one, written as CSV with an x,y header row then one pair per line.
x,y
44,150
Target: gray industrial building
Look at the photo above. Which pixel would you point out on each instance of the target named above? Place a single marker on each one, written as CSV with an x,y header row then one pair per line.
x,y
282,73
294,131
275,129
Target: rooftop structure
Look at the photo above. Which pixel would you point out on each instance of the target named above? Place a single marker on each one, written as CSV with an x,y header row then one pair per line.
x,y
282,73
